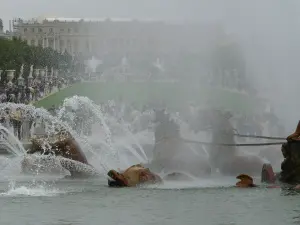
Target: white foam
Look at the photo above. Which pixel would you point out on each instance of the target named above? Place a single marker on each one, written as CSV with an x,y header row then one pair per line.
x,y
30,191
195,184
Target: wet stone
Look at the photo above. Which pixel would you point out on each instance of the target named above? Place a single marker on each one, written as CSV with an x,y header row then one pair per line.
x,y
290,167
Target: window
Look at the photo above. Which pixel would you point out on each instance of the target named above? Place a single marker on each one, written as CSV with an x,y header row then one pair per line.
x,y
50,29
61,43
40,30
51,43
76,46
40,42
69,46
62,30
25,29
69,30
32,42
94,45
32,29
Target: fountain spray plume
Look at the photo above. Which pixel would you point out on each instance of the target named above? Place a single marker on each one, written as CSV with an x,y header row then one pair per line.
x,y
10,143
107,122
53,124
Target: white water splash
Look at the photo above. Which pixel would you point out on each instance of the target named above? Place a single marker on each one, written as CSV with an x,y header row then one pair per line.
x,y
36,191
9,142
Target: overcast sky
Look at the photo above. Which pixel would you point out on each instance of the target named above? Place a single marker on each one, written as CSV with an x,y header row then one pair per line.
x,y
203,10
161,9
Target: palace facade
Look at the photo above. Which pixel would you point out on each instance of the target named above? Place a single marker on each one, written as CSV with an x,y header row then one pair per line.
x,y
116,36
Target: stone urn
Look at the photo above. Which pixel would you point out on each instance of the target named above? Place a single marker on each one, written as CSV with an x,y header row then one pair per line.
x,y
42,73
56,74
30,79
36,73
10,75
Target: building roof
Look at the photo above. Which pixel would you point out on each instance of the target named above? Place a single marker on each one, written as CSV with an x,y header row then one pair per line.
x,y
64,19
41,19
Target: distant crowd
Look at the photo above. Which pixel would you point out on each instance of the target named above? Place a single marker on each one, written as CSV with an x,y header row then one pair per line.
x,y
35,91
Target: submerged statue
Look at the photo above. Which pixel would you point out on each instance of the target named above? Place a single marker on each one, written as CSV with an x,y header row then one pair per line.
x,y
132,177
62,145
227,159
171,154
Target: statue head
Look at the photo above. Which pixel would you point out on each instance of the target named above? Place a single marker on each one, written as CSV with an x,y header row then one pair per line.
x,y
213,119
245,181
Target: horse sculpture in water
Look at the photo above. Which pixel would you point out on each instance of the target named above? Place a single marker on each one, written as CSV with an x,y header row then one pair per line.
x,y
171,154
65,148
227,159
133,176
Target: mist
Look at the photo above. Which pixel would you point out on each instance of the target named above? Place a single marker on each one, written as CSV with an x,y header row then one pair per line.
x,y
267,30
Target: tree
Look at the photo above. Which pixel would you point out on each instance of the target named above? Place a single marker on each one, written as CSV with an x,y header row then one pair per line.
x,y
14,53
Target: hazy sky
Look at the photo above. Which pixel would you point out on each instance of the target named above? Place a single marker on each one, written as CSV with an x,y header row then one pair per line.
x,y
162,9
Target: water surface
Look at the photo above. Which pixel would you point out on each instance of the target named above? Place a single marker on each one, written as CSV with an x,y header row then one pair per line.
x,y
92,202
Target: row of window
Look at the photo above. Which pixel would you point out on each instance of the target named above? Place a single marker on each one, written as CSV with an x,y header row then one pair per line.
x,y
50,30
111,42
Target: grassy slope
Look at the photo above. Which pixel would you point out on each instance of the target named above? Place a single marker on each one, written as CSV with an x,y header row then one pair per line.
x,y
173,94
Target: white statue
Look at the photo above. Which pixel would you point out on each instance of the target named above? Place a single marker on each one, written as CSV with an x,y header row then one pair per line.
x,y
159,65
56,74
30,72
124,61
10,75
22,70
36,73
92,64
52,72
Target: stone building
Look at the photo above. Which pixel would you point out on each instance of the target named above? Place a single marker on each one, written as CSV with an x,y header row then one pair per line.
x,y
141,41
99,37
4,34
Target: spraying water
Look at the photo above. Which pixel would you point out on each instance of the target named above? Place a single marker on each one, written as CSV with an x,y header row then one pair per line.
x,y
10,143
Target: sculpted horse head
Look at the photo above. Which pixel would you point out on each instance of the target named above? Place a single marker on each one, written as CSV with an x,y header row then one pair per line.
x,y
62,144
133,176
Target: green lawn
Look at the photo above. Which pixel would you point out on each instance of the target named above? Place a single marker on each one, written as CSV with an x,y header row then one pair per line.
x,y
172,93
